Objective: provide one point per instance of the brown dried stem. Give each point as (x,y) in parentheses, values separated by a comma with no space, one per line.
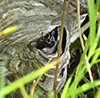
(60,42)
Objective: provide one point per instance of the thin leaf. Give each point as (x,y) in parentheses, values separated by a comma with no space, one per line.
(85,87)
(97,5)
(8,30)
(65,90)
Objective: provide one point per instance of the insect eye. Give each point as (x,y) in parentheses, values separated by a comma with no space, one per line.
(47,36)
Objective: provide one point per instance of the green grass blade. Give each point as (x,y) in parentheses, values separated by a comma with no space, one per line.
(65,90)
(9,30)
(65,93)
(98,94)
(2,78)
(97,6)
(95,43)
(92,21)
(85,87)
